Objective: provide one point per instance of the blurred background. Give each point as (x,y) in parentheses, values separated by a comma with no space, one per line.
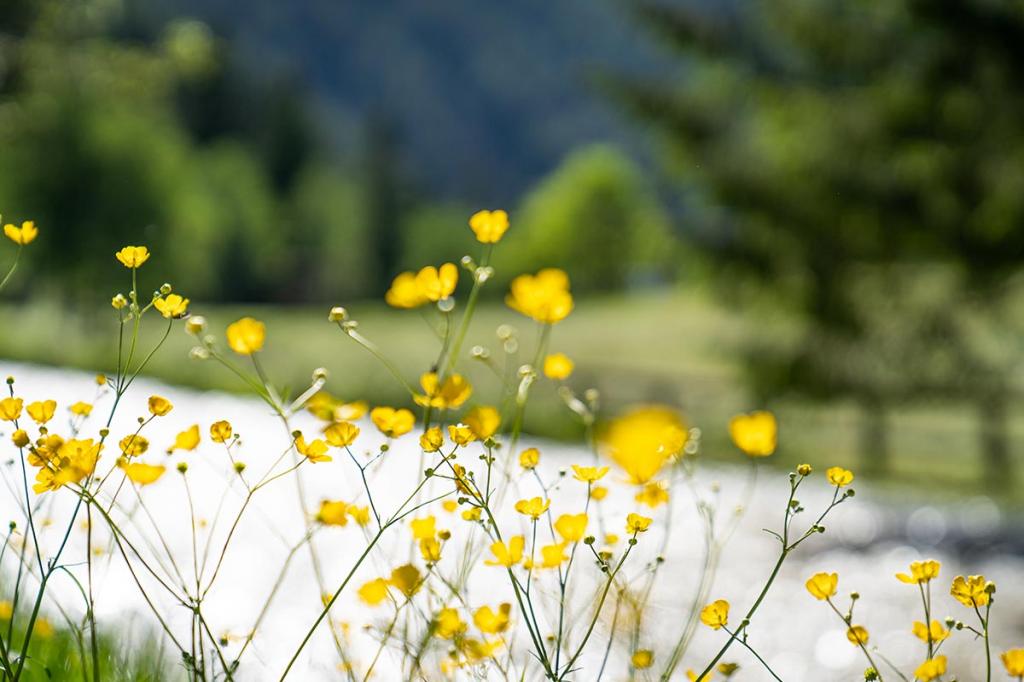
(813,207)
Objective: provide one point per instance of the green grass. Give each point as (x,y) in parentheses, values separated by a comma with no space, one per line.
(665,346)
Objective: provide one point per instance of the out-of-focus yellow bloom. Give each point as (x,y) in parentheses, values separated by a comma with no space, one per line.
(118,302)
(716,614)
(491,622)
(171,306)
(391,422)
(472,514)
(755,433)
(588,474)
(553,556)
(333,513)
(507,555)
(10,408)
(692,677)
(430,549)
(572,527)
(476,651)
(643,440)
(823,585)
(637,524)
(41,411)
(143,474)
(642,659)
(930,633)
(921,572)
(43,628)
(437,283)
(529,458)
(133,445)
(406,578)
(24,235)
(544,297)
(450,506)
(443,395)
(80,409)
(6,610)
(857,634)
(341,434)
(361,515)
(839,477)
(598,493)
(423,528)
(373,592)
(558,366)
(20,438)
(533,507)
(1013,660)
(448,624)
(728,669)
(970,591)
(461,434)
(404,292)
(483,421)
(315,451)
(654,494)
(611,539)
(221,432)
(931,669)
(246,336)
(186,440)
(159,406)
(432,439)
(77,460)
(133,256)
(489,226)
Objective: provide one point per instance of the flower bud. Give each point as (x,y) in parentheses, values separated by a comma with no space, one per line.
(119,302)
(804,469)
(195,325)
(320,374)
(182,467)
(337,314)
(239,467)
(165,288)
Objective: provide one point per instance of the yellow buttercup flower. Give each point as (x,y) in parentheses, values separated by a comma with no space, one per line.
(81,409)
(373,592)
(159,406)
(430,550)
(643,440)
(857,634)
(507,555)
(443,395)
(76,459)
(6,610)
(728,669)
(544,297)
(221,432)
(971,591)
(41,411)
(598,493)
(755,433)
(391,422)
(20,438)
(423,528)
(489,226)
(529,458)
(315,451)
(133,256)
(143,474)
(491,622)
(637,524)
(133,445)
(461,434)
(448,624)
(572,527)
(553,556)
(932,669)
(533,507)
(432,439)
(653,494)
(171,306)
(361,515)
(716,614)
(341,434)
(920,572)
(929,633)
(437,283)
(404,292)
(642,659)
(333,513)
(558,366)
(588,474)
(692,677)
(10,408)
(186,440)
(1013,660)
(823,585)
(246,336)
(839,476)
(406,578)
(24,235)
(483,421)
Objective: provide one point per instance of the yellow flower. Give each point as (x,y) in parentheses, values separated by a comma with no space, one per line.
(461,434)
(333,513)
(158,406)
(450,506)
(533,507)
(476,650)
(857,634)
(404,292)
(133,256)
(754,433)
(81,409)
(437,283)
(472,514)
(24,235)
(20,438)
(450,394)
(406,578)
(507,555)
(361,515)
(341,434)
(839,476)
(489,226)
(373,592)
(643,440)
(483,421)
(728,669)
(920,572)
(491,622)
(1012,659)
(971,591)
(118,302)
(246,336)
(642,658)
(933,633)
(186,440)
(823,585)
(598,493)
(529,458)
(221,432)
(43,628)
(133,445)
(6,610)
(588,474)
(931,669)
(572,527)
(692,676)
(553,556)
(10,408)
(171,306)
(432,439)
(143,474)
(637,524)
(423,528)
(558,366)
(611,539)
(315,451)
(391,422)
(41,411)
(544,297)
(654,494)
(448,624)
(716,614)
(77,460)
(430,549)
